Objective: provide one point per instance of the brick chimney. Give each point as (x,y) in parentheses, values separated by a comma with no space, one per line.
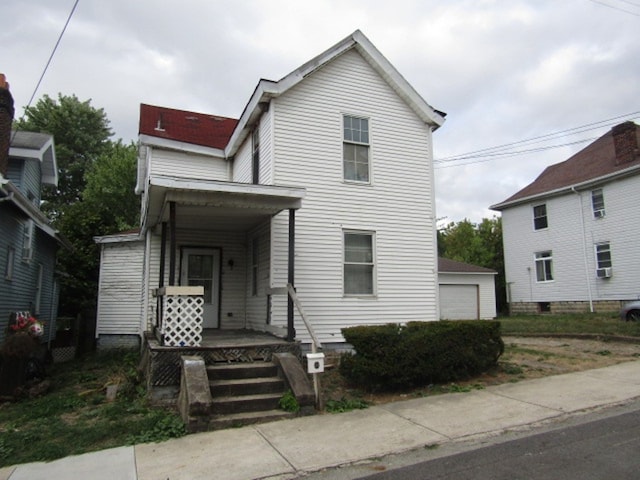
(625,141)
(6,118)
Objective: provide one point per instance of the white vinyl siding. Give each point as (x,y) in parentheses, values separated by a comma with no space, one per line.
(571,239)
(119,288)
(308,148)
(243,159)
(188,165)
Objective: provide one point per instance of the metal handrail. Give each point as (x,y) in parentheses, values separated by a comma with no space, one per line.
(315,344)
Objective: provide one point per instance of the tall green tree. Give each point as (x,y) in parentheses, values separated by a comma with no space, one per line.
(108,204)
(478,244)
(81,133)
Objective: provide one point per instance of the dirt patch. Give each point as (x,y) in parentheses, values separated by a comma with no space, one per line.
(524,358)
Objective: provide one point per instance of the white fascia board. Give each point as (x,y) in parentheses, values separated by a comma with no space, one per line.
(180,146)
(568,189)
(47,157)
(401,86)
(227,187)
(466,273)
(267,89)
(118,238)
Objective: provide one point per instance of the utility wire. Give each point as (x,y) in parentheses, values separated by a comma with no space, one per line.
(46,67)
(617,8)
(507,149)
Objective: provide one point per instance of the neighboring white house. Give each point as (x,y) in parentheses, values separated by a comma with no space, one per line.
(325,182)
(467,292)
(571,236)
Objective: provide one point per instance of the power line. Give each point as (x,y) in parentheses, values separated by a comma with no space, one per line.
(618,8)
(46,67)
(506,150)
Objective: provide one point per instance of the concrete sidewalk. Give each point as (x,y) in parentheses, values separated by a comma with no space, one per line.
(289,448)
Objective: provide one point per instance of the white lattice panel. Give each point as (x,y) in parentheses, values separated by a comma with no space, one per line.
(182,320)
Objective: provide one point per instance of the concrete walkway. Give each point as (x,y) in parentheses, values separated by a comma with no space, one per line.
(290,448)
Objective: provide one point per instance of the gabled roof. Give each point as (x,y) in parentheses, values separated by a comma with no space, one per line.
(451,266)
(188,127)
(594,164)
(39,146)
(228,134)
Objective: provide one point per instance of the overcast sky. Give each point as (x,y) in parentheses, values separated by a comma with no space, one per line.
(504,71)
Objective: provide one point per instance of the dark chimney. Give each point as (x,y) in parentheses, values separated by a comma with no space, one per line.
(6,118)
(625,142)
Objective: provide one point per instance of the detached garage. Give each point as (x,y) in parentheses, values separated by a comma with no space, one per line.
(467,292)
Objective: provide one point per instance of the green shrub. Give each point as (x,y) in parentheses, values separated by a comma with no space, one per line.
(393,356)
(289,402)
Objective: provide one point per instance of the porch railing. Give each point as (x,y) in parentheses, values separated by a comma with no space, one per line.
(179,316)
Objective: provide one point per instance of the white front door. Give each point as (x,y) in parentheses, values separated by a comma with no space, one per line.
(201,267)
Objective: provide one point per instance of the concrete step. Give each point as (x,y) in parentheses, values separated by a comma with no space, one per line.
(218,422)
(227,371)
(245,403)
(246,386)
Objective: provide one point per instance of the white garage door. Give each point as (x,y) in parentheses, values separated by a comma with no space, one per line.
(459,302)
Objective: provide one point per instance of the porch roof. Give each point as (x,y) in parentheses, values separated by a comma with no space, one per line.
(217,205)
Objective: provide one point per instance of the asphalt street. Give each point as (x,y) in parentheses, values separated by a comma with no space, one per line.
(602,449)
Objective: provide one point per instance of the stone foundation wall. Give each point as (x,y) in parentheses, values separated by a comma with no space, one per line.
(534,308)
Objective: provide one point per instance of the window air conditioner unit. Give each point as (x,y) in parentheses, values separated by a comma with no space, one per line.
(598,213)
(603,272)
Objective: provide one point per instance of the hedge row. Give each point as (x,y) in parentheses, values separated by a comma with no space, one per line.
(393,356)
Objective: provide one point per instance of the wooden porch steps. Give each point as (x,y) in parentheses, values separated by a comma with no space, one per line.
(245,393)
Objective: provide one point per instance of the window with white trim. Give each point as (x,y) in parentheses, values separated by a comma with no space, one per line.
(544,266)
(27,244)
(540,217)
(359,263)
(597,203)
(8,269)
(355,149)
(603,255)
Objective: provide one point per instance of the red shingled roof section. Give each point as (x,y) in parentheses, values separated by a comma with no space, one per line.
(594,161)
(184,126)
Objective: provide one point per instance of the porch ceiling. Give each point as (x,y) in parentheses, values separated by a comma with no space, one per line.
(213,205)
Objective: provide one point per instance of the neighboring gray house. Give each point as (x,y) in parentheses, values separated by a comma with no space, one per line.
(328,172)
(467,292)
(571,237)
(28,244)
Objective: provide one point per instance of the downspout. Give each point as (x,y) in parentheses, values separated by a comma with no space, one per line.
(584,250)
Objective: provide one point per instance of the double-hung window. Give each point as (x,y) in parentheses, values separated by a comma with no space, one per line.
(355,149)
(540,217)
(603,254)
(544,266)
(27,244)
(359,263)
(597,202)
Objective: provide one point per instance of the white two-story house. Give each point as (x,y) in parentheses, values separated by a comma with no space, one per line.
(570,237)
(324,183)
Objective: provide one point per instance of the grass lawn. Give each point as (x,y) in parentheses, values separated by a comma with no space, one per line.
(586,323)
(75,417)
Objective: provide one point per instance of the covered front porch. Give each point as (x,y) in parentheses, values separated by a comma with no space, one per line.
(210,255)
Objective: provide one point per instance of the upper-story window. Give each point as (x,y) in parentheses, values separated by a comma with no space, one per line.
(544,266)
(355,151)
(540,217)
(27,243)
(597,202)
(255,154)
